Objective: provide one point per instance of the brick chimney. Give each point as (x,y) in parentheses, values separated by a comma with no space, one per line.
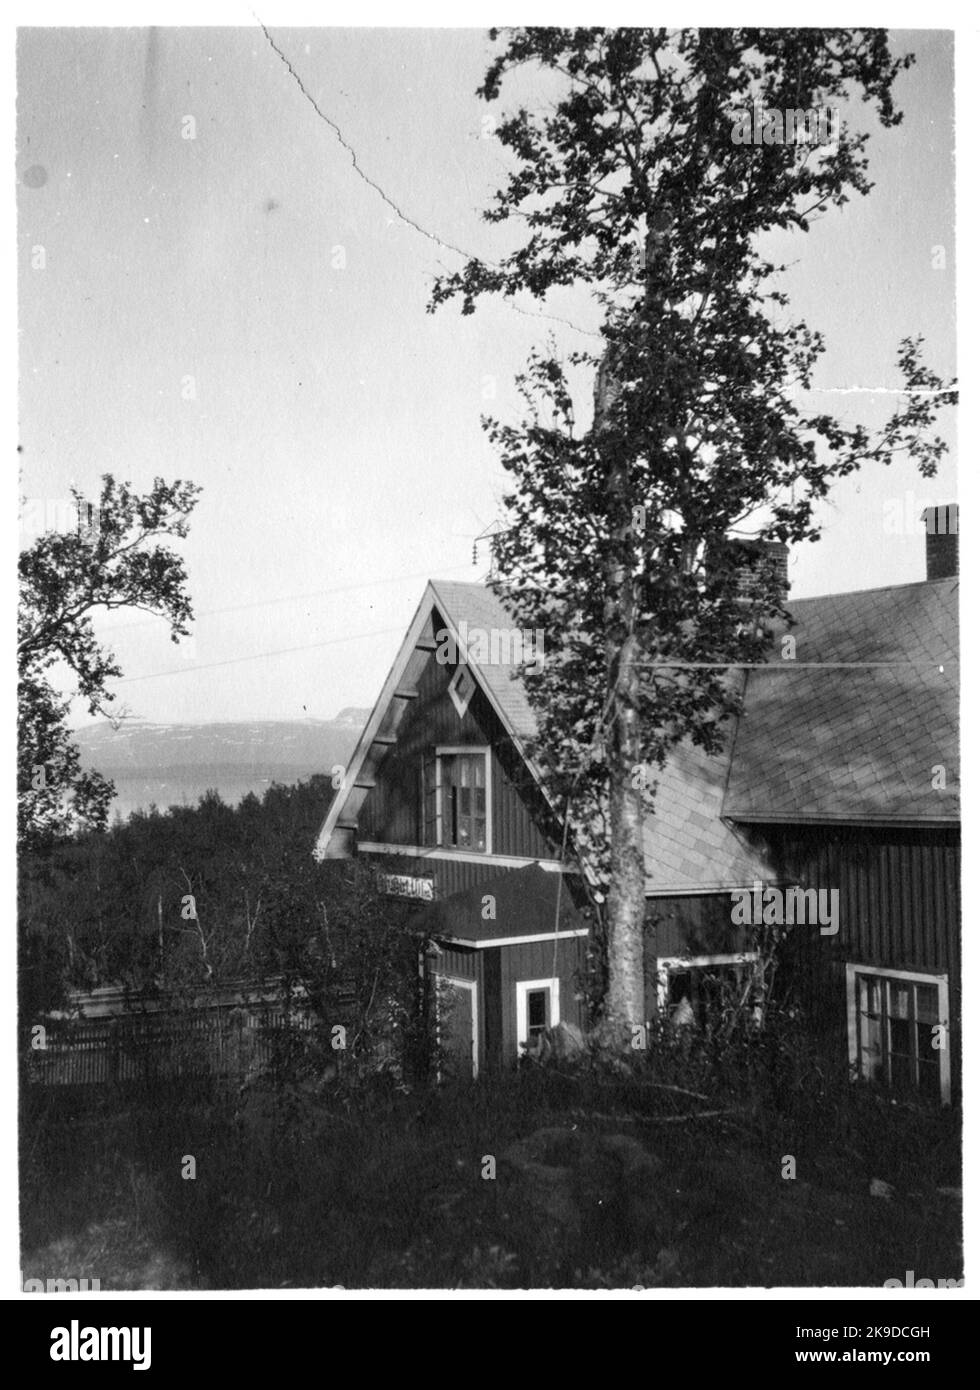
(750,557)
(942,540)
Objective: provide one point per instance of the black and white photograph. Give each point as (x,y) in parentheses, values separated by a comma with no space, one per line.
(488,685)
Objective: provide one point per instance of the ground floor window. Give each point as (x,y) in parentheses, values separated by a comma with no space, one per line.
(537,1009)
(898,1029)
(701,990)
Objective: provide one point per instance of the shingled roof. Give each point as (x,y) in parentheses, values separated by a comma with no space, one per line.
(540,901)
(843,739)
(479,607)
(849,732)
(688,846)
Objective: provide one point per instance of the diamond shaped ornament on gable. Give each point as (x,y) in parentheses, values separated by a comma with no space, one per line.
(461,689)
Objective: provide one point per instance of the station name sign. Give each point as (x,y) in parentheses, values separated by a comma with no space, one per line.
(405,886)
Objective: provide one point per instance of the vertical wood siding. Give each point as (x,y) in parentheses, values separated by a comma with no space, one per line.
(497,971)
(688,926)
(493,1004)
(464,964)
(392,810)
(899,892)
(540,960)
(899,908)
(448,875)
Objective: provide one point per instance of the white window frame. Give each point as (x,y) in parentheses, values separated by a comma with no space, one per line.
(452,751)
(458,982)
(667,963)
(917,977)
(522,989)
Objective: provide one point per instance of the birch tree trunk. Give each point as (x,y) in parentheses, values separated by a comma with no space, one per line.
(626,905)
(624,1008)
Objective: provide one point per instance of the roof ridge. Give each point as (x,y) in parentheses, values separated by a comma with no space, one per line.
(878,589)
(953,579)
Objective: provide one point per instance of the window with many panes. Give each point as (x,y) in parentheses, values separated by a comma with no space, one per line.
(463,783)
(706,990)
(454,803)
(899,1026)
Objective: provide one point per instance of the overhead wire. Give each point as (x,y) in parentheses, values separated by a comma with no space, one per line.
(390,202)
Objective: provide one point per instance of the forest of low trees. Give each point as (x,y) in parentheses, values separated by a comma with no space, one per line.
(186,900)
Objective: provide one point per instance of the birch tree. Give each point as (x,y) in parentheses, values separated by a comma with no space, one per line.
(638,182)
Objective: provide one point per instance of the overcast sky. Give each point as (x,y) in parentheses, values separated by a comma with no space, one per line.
(242,309)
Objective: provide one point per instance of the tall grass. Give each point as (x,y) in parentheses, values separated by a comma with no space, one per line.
(375,1184)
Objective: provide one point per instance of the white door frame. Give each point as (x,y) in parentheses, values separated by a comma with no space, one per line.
(460,983)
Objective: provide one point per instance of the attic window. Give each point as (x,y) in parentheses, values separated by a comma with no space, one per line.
(462,796)
(461,689)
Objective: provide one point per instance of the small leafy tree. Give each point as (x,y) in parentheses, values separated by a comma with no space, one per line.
(349,948)
(113,559)
(633,184)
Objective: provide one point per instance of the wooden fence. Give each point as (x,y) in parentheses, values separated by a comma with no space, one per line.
(218,1042)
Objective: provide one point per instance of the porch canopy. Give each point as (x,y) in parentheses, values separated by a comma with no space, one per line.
(517,903)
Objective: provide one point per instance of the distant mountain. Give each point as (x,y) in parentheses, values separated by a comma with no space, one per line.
(175,764)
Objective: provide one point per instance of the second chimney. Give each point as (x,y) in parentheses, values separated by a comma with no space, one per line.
(751,559)
(942,540)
